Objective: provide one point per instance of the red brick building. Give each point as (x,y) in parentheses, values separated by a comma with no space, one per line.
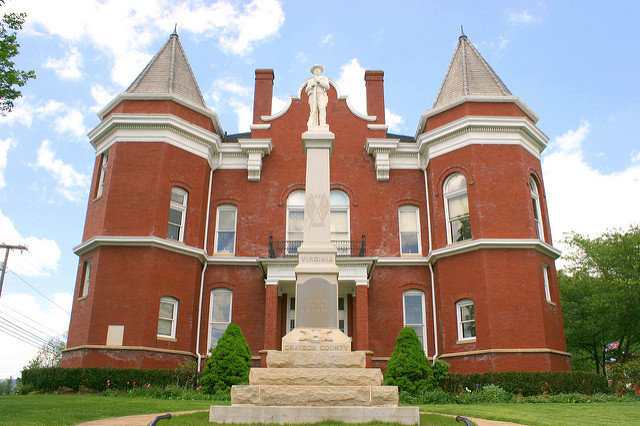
(189,228)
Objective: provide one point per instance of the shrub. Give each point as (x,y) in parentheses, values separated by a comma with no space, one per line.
(625,378)
(525,383)
(440,371)
(229,363)
(408,367)
(493,393)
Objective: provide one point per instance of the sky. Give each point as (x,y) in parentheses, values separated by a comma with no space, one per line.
(573,62)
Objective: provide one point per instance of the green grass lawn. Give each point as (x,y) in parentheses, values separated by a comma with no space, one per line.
(607,413)
(74,409)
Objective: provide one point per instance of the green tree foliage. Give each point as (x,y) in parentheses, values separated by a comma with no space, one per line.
(10,78)
(49,354)
(601,294)
(229,363)
(6,386)
(408,367)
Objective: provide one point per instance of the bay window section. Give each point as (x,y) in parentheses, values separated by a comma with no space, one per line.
(456,208)
(295,221)
(466,320)
(101,174)
(167,318)
(177,214)
(537,214)
(220,314)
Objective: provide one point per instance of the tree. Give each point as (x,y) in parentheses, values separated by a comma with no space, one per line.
(601,294)
(408,367)
(10,78)
(229,363)
(49,354)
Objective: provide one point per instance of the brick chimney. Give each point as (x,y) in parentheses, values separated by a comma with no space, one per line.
(263,94)
(374,82)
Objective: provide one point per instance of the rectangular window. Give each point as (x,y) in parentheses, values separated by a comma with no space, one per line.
(545,278)
(86,278)
(291,314)
(177,214)
(409,218)
(167,318)
(101,174)
(226,229)
(220,315)
(413,312)
(466,320)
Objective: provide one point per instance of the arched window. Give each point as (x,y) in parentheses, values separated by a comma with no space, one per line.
(466,320)
(177,214)
(167,318)
(537,214)
(413,313)
(340,232)
(339,220)
(226,229)
(295,220)
(409,222)
(220,314)
(456,208)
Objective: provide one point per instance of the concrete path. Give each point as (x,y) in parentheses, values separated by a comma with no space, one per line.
(145,419)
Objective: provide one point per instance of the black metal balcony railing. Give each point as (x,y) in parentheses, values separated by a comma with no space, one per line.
(350,248)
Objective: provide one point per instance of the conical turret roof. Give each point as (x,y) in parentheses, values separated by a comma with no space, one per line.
(468,74)
(169,73)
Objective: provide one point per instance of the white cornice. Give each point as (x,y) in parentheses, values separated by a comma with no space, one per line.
(139,241)
(378,127)
(506,351)
(260,126)
(165,128)
(403,261)
(163,97)
(493,243)
(476,98)
(474,130)
(255,149)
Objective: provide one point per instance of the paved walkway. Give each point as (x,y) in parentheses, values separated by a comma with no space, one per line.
(145,419)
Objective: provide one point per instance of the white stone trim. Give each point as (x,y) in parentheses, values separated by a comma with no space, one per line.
(163,97)
(476,98)
(505,351)
(166,128)
(381,149)
(260,126)
(482,131)
(378,126)
(136,241)
(493,243)
(129,348)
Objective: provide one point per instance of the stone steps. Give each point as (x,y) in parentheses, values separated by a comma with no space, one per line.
(327,396)
(316,376)
(316,359)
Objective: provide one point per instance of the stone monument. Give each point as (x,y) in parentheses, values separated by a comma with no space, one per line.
(316,376)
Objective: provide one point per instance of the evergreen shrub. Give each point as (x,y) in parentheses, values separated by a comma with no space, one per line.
(408,368)
(229,363)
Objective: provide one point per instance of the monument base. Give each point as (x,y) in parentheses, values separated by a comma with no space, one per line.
(307,414)
(316,340)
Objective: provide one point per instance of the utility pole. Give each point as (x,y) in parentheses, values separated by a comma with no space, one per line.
(8,247)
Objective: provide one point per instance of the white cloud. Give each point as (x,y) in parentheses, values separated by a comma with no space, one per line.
(232,86)
(278,105)
(101,96)
(40,260)
(72,122)
(328,39)
(24,112)
(635,156)
(71,184)
(581,198)
(234,27)
(245,116)
(68,67)
(23,310)
(351,83)
(393,120)
(4,149)
(228,94)
(523,17)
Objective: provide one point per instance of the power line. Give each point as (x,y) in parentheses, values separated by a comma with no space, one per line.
(24,324)
(25,333)
(30,319)
(14,335)
(41,294)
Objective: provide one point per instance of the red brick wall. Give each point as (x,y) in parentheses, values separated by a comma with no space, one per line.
(163,107)
(481,109)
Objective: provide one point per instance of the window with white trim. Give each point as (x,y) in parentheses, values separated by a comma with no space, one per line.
(409,222)
(226,219)
(537,213)
(86,278)
(220,314)
(101,174)
(466,320)
(295,220)
(167,317)
(545,282)
(177,214)
(414,315)
(456,208)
